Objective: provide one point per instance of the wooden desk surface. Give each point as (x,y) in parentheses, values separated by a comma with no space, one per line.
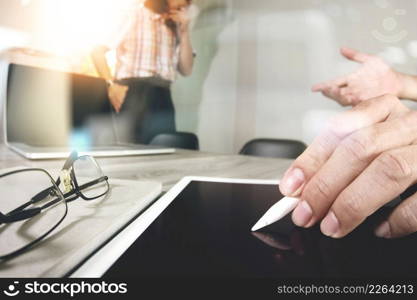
(168,168)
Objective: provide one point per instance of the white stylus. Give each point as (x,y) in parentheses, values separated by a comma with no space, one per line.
(276,212)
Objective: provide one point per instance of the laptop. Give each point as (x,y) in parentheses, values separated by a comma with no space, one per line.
(49,113)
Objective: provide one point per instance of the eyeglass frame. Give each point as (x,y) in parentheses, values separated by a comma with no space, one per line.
(67,172)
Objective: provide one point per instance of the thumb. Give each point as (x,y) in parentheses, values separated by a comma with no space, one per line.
(354,55)
(401,222)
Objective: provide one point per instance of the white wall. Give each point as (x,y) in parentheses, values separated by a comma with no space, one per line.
(268,55)
(205,102)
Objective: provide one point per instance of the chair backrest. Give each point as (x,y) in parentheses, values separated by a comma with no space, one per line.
(183,140)
(278,148)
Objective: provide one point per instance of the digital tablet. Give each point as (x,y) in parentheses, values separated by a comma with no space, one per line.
(202,228)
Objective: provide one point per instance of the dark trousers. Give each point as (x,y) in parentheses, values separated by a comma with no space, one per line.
(148,108)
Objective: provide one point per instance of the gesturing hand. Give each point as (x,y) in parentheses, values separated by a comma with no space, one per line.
(117,95)
(374,78)
(365,158)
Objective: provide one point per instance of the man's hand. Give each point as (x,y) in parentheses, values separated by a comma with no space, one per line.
(374,78)
(366,158)
(117,94)
(181,18)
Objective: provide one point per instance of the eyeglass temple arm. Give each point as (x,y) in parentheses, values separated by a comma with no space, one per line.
(20,213)
(66,195)
(38,197)
(86,185)
(43,194)
(91,183)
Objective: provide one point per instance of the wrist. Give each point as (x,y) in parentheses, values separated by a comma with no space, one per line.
(407,86)
(184,30)
(109,83)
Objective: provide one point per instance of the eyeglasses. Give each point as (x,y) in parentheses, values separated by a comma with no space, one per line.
(33,204)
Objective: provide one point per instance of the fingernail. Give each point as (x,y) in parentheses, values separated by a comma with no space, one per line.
(383,230)
(292,182)
(302,214)
(330,225)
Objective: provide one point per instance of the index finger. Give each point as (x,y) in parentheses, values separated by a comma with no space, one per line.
(355,55)
(307,164)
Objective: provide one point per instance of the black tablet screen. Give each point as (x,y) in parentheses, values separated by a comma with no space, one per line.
(205,231)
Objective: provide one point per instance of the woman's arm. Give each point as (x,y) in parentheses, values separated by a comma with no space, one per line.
(100,62)
(116,92)
(186,59)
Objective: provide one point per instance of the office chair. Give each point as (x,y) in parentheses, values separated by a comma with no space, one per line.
(278,148)
(184,140)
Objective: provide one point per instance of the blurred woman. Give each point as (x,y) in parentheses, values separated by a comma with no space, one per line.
(152,47)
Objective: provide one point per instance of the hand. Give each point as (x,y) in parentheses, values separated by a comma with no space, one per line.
(117,95)
(374,78)
(366,158)
(181,18)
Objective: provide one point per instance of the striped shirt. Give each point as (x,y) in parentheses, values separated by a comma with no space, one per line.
(146,47)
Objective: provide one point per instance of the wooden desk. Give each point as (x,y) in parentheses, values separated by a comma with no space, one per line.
(169,168)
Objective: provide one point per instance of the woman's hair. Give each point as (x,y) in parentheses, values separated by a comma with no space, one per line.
(159,6)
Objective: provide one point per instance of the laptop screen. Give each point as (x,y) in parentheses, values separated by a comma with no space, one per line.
(48,108)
